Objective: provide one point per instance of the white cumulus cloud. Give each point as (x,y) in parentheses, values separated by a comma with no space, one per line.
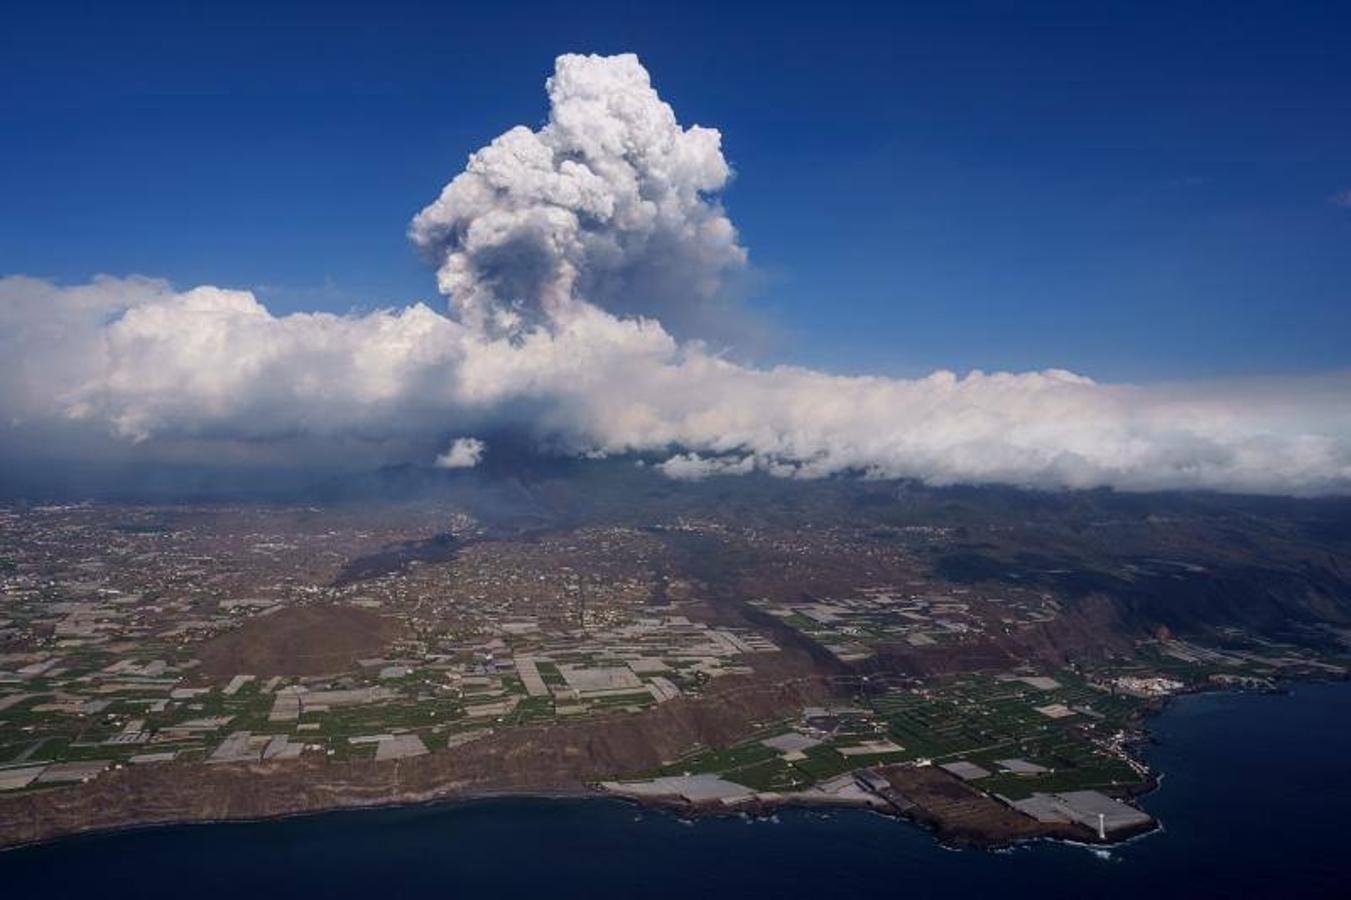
(693,467)
(463,453)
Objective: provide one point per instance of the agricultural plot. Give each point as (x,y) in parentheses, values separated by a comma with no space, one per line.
(853,627)
(991,727)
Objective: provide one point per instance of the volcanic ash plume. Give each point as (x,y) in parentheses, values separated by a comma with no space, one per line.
(611,201)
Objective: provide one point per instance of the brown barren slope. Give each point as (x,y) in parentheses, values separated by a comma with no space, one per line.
(965,816)
(536,759)
(303,640)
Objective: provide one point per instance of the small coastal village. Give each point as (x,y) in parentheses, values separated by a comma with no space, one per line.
(261,639)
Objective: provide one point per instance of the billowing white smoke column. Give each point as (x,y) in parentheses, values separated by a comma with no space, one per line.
(608,201)
(547,244)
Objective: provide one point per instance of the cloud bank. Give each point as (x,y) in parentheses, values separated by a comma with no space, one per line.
(564,252)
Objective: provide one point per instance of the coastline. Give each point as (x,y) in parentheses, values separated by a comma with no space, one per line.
(758,806)
(615,849)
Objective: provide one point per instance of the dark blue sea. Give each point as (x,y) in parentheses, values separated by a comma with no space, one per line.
(1256,802)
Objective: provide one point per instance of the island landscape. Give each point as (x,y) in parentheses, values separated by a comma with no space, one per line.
(983,663)
(718,450)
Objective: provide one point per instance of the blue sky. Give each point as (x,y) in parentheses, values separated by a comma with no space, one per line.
(1129,192)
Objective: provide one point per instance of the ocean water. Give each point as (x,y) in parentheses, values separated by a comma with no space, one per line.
(1255,801)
